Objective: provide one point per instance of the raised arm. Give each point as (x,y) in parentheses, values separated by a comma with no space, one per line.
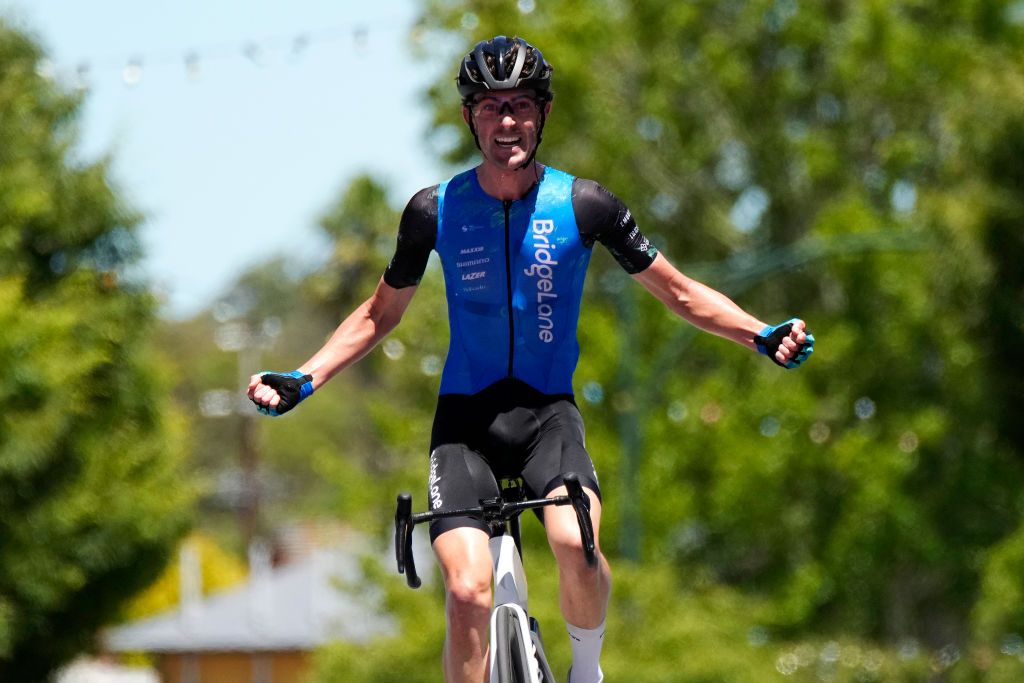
(363,329)
(714,312)
(698,304)
(602,217)
(275,393)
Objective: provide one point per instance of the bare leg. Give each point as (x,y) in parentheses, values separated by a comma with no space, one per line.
(466,566)
(582,590)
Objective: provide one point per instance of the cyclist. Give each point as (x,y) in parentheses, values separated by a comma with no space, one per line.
(514,238)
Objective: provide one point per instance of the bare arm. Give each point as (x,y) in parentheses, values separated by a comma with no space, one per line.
(709,309)
(363,329)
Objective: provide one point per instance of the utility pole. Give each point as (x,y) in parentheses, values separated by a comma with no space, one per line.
(248,452)
(247,341)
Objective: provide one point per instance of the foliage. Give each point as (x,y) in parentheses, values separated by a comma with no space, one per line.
(702,634)
(91,494)
(857,163)
(826,159)
(419,640)
(348,451)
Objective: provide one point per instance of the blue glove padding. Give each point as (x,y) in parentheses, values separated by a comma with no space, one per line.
(770,339)
(293,387)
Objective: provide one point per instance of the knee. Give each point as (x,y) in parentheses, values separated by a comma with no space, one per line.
(468,596)
(568,550)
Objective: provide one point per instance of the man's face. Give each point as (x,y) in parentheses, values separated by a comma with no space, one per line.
(506,124)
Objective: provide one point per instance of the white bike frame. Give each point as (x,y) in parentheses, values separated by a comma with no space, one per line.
(510,592)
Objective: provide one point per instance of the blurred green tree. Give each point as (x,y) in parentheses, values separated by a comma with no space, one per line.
(857,163)
(365,436)
(92,493)
(852,162)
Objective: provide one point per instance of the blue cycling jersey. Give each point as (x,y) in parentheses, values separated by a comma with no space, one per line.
(514,274)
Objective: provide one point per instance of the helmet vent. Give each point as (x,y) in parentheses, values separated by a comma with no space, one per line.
(504,63)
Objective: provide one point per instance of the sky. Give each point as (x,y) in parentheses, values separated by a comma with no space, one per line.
(233,125)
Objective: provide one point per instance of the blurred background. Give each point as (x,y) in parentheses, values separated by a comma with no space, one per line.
(189,195)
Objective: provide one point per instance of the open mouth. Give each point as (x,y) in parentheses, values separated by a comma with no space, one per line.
(508,141)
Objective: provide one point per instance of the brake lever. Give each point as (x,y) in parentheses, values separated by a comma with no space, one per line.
(403,540)
(581,504)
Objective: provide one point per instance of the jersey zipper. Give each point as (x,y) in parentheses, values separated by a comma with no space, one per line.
(508,280)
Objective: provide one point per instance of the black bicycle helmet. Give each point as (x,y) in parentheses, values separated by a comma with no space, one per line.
(504,63)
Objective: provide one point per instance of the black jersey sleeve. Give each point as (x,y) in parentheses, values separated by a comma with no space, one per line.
(602,217)
(417,233)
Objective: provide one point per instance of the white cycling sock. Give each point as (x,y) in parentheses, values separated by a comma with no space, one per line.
(586,654)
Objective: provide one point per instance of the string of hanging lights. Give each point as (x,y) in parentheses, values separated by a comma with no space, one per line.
(265,51)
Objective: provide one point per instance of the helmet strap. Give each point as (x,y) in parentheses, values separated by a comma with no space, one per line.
(476,138)
(472,127)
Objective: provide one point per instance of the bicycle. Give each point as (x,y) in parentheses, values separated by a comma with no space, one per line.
(517,651)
